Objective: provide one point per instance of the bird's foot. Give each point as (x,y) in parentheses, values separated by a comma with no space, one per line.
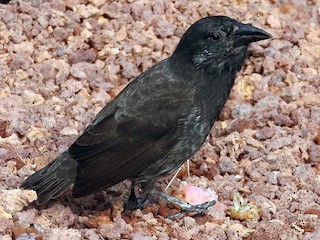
(138,197)
(147,193)
(137,203)
(185,207)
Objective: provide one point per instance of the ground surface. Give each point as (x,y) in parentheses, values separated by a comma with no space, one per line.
(62,61)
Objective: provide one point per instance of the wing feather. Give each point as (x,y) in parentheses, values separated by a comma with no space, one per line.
(130,133)
(124,158)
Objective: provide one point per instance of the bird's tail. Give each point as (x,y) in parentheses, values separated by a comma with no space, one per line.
(52,180)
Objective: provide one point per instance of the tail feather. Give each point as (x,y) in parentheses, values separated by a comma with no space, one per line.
(51,181)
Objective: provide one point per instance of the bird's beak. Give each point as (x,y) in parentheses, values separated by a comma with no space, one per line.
(246,33)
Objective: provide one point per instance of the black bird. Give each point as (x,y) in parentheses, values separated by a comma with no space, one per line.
(159,120)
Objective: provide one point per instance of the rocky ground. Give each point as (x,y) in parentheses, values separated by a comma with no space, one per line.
(62,61)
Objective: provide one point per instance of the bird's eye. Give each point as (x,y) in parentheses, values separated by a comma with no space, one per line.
(214,36)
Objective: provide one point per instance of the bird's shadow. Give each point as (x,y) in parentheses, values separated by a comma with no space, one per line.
(95,204)
(82,207)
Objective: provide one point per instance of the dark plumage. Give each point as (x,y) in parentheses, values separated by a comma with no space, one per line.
(159,120)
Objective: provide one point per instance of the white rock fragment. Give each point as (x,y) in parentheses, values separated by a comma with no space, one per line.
(68,131)
(49,122)
(4,214)
(25,47)
(36,133)
(70,234)
(13,139)
(101,96)
(85,11)
(6,237)
(21,74)
(77,71)
(15,200)
(44,55)
(33,98)
(274,22)
(97,3)
(273,177)
(311,99)
(42,20)
(121,34)
(86,34)
(108,50)
(189,222)
(241,230)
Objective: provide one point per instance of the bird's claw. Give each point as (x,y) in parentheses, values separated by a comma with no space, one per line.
(198,209)
(138,198)
(185,207)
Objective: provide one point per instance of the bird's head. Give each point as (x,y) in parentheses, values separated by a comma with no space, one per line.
(218,42)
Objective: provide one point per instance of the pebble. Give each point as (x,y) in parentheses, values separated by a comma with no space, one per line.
(227,165)
(68,131)
(97,3)
(272,177)
(274,22)
(86,11)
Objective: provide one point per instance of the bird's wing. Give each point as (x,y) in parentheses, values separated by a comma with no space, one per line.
(139,127)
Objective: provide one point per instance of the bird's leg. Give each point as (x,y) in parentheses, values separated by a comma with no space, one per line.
(133,202)
(139,195)
(185,207)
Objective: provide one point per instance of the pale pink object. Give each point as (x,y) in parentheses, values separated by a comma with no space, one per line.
(196,195)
